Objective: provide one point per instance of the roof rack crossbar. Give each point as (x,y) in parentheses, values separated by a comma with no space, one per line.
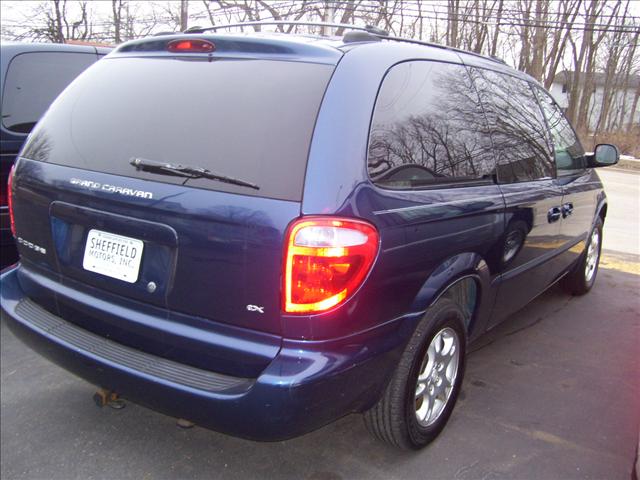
(367,28)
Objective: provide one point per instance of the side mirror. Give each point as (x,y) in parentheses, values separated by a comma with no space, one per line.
(603,156)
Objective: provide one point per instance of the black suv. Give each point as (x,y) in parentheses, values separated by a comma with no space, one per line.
(32,75)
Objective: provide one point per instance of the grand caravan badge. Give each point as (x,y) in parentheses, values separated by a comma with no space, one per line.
(105,187)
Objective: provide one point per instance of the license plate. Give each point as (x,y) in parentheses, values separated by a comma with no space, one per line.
(113,255)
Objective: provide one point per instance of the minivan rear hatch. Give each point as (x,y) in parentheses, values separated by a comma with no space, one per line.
(127,206)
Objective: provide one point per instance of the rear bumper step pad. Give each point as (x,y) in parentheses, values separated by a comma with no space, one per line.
(159,367)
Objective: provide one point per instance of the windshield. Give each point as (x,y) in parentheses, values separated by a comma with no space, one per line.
(247,119)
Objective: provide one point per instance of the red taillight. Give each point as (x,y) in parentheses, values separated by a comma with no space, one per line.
(10,200)
(326,261)
(187,46)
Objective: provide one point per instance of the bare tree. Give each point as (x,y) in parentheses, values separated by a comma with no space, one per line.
(565,15)
(585,37)
(184,15)
(59,25)
(116,7)
(453,12)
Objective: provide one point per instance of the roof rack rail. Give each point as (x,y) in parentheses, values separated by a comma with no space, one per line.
(445,47)
(495,58)
(367,28)
(370,29)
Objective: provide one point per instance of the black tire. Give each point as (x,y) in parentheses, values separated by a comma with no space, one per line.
(393,418)
(577,282)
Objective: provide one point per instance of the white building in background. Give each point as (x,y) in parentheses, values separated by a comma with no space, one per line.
(623,98)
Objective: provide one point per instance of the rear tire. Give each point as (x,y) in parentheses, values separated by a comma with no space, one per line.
(420,397)
(581,279)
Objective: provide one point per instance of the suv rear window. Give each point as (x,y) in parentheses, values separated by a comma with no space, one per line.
(248,119)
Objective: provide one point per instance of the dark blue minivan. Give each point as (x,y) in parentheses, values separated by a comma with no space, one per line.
(263,233)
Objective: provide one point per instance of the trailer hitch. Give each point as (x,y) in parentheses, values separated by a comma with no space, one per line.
(108,397)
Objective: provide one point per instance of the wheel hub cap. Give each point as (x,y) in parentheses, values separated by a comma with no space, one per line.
(437,376)
(593,252)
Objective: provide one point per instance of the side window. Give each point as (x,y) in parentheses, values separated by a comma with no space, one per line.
(428,128)
(519,132)
(568,152)
(33,82)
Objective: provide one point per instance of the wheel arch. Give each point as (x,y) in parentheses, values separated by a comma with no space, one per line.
(453,279)
(602,206)
(602,212)
(463,278)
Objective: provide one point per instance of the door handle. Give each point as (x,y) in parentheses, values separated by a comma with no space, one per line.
(554,214)
(567,209)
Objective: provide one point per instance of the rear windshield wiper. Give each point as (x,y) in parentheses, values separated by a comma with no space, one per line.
(186,172)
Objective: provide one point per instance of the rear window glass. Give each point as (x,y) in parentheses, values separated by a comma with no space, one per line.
(248,119)
(33,81)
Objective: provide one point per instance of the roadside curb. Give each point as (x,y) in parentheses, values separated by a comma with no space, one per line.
(622,262)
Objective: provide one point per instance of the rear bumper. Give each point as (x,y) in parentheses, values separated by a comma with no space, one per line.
(306,386)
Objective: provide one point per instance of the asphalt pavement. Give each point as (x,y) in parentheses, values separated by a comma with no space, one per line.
(622,232)
(553,393)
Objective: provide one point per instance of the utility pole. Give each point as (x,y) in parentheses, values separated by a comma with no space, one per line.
(328,17)
(184,15)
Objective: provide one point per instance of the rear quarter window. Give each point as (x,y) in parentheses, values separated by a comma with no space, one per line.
(428,128)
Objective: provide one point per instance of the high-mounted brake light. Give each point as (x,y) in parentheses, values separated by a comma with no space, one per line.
(10,200)
(190,46)
(326,261)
